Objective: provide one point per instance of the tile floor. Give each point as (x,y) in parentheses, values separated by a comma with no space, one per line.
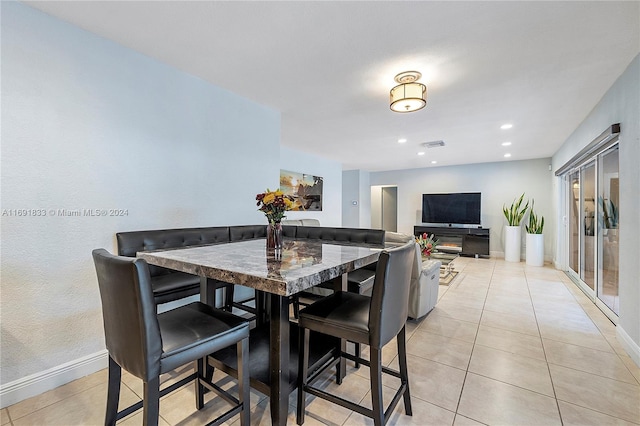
(507,344)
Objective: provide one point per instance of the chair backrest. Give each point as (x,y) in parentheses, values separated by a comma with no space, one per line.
(131,328)
(390,297)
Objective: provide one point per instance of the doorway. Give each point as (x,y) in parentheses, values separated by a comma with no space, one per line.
(384,208)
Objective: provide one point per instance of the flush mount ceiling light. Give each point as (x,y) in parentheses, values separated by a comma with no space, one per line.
(408,95)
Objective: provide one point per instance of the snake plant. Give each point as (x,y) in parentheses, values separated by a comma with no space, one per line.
(515,212)
(535,224)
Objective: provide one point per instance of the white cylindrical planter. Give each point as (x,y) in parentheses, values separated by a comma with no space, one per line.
(512,242)
(535,249)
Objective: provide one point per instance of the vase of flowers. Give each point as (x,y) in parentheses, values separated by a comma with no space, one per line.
(427,243)
(274,204)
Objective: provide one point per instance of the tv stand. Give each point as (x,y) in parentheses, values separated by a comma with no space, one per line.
(453,239)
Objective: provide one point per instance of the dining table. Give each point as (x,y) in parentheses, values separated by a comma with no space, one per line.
(277,275)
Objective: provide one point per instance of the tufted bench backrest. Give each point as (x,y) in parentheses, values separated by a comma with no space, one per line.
(247,232)
(129,243)
(348,235)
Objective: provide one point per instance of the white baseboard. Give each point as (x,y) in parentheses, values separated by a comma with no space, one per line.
(628,344)
(35,384)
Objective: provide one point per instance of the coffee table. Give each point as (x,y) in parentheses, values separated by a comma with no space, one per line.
(447,270)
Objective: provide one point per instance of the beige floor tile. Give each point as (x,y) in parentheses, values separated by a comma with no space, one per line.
(450,327)
(445,350)
(510,341)
(473,301)
(462,313)
(4,417)
(513,301)
(523,322)
(431,381)
(605,364)
(179,408)
(137,419)
(326,412)
(615,344)
(492,402)
(509,287)
(83,409)
(631,366)
(467,280)
(60,393)
(389,352)
(261,416)
(612,397)
(136,384)
(572,313)
(353,388)
(465,421)
(508,308)
(539,286)
(424,413)
(527,373)
(588,339)
(573,415)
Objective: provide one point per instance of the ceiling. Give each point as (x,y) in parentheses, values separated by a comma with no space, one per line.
(328,68)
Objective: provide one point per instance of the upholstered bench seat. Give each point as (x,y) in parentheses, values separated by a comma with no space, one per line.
(361,281)
(174,286)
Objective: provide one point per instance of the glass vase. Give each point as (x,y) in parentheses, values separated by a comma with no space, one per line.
(274,236)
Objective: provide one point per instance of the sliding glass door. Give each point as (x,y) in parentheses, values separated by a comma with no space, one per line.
(588,229)
(608,196)
(593,226)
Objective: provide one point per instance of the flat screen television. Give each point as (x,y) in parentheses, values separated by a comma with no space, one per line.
(461,208)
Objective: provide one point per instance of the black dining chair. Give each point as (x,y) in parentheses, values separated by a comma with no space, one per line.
(373,321)
(147,344)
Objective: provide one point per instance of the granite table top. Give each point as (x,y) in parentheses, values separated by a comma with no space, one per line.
(300,265)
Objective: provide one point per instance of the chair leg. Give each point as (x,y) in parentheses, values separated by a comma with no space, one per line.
(295,302)
(375,371)
(228,297)
(201,371)
(404,374)
(242,348)
(151,402)
(113,393)
(358,353)
(303,367)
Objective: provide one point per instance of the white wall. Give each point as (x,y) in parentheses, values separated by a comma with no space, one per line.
(499,184)
(621,104)
(330,171)
(88,124)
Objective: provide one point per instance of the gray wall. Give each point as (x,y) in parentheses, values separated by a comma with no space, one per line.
(621,104)
(350,194)
(356,188)
(499,184)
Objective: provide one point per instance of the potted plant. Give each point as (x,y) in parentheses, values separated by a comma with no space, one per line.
(427,243)
(513,232)
(535,239)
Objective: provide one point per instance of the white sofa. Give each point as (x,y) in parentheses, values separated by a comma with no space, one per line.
(425,279)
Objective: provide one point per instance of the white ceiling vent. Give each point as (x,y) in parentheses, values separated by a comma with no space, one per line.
(433,144)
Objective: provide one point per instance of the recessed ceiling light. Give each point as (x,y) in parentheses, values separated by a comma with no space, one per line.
(434,162)
(506,126)
(507,155)
(506,143)
(421,153)
(402,140)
